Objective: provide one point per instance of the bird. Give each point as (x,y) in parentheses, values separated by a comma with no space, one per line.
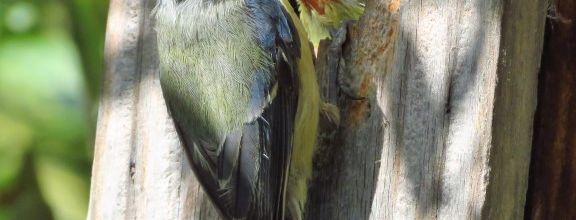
(239,83)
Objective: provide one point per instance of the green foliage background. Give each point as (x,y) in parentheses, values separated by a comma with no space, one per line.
(50,71)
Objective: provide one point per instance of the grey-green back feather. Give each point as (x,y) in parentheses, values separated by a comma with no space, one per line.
(209,39)
(220,61)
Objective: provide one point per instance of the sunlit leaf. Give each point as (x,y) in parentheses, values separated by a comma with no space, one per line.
(15,139)
(41,83)
(41,87)
(4,213)
(65,191)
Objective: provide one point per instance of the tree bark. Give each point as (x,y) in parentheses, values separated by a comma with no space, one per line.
(427,130)
(552,194)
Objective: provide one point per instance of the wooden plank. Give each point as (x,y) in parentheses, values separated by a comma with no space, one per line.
(417,146)
(139,170)
(522,40)
(552,194)
(429,70)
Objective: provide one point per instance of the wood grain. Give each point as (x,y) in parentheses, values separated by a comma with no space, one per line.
(139,170)
(444,131)
(514,108)
(436,101)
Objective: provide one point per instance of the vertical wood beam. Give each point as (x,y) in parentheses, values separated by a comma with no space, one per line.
(140,170)
(552,192)
(431,139)
(514,108)
(450,96)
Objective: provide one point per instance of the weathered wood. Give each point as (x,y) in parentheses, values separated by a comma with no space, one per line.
(552,191)
(139,168)
(427,130)
(429,70)
(516,92)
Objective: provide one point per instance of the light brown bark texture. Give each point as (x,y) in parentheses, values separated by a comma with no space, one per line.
(436,100)
(552,188)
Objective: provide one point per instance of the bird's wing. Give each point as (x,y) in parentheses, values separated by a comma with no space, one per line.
(280,114)
(245,174)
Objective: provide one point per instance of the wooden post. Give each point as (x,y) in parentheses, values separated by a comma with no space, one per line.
(139,170)
(552,191)
(443,130)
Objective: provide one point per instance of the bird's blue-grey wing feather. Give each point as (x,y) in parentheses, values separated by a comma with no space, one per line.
(271,17)
(246,176)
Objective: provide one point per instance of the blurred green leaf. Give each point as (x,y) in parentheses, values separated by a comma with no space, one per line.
(14,141)
(89,26)
(41,83)
(28,205)
(65,191)
(21,17)
(42,92)
(50,69)
(4,213)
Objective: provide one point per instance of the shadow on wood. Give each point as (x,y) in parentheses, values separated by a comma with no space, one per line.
(552,192)
(426,130)
(139,170)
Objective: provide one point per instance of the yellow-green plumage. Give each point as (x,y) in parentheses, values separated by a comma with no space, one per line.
(306,127)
